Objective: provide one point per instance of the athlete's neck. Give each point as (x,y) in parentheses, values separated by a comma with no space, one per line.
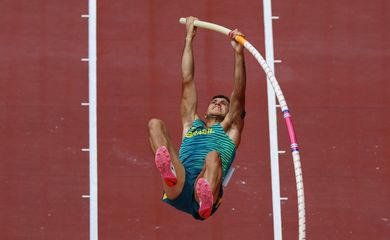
(213,119)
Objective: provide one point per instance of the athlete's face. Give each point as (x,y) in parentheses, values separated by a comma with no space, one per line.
(218,107)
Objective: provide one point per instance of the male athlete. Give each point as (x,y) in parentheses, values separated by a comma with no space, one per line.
(192,178)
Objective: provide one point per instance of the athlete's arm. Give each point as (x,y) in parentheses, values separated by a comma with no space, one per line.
(189,98)
(234,120)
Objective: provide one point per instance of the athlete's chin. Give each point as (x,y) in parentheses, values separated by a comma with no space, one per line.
(216,116)
(217,113)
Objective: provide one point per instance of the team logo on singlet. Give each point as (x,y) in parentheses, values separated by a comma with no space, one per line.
(192,132)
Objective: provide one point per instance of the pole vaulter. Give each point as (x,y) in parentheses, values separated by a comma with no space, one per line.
(285,111)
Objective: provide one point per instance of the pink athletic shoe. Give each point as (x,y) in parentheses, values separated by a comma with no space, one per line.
(205,195)
(165,166)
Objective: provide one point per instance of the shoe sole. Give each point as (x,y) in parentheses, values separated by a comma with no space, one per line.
(165,166)
(206,199)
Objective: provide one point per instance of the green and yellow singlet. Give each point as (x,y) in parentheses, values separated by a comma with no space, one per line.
(199,141)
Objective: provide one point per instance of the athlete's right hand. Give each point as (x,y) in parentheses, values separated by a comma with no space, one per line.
(191,29)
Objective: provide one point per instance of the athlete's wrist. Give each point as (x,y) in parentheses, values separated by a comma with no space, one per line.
(239,53)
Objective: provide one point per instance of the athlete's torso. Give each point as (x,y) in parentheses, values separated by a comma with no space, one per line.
(199,141)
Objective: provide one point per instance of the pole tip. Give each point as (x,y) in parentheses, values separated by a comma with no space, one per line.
(182,20)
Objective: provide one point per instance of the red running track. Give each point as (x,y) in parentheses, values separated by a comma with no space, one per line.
(333,76)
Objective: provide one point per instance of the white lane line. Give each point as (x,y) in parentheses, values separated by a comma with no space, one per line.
(272,121)
(93,168)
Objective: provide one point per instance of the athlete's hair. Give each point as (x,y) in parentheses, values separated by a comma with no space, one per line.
(220,96)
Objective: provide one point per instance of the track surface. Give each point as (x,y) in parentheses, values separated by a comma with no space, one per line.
(334,76)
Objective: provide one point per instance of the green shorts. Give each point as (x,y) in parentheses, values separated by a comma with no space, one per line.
(186,200)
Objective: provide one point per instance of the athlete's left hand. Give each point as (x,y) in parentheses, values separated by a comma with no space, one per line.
(236,46)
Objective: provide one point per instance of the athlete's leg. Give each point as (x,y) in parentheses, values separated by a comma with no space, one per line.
(208,184)
(158,137)
(212,172)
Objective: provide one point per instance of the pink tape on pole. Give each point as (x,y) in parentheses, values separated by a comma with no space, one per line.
(291,133)
(290,128)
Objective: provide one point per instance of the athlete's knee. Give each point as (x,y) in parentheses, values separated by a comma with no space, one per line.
(213,159)
(155,124)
